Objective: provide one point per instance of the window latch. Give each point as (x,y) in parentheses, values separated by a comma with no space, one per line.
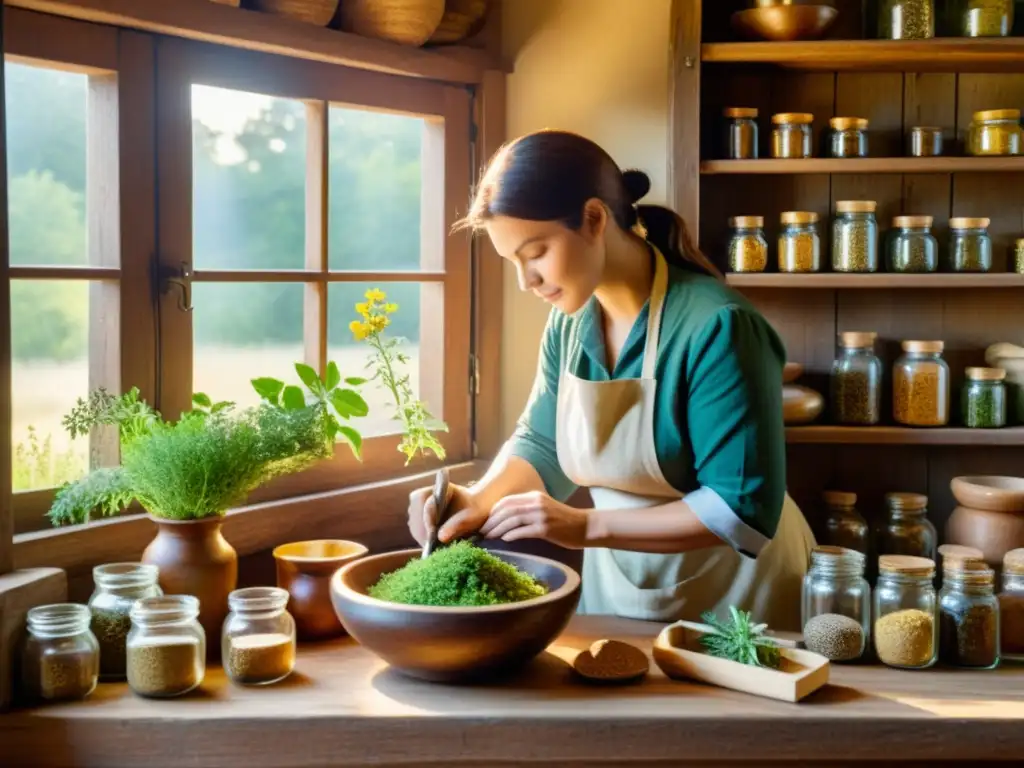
(180,278)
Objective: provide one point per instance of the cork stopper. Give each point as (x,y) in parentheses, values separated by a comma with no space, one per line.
(798,217)
(857,339)
(985,374)
(856,206)
(906,565)
(997,114)
(958,564)
(1013,562)
(740,112)
(792,118)
(912,222)
(958,551)
(848,123)
(929,347)
(968,222)
(908,502)
(746,222)
(839,498)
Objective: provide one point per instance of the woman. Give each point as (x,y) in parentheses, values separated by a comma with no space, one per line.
(658,388)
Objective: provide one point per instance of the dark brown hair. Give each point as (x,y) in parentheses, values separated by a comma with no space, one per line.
(550,175)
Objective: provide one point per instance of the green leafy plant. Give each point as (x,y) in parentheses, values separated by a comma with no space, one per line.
(740,640)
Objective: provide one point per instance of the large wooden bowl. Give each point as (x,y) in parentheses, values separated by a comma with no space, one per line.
(994,533)
(454,644)
(993,493)
(785,22)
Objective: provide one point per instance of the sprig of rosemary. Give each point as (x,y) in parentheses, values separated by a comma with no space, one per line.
(740,640)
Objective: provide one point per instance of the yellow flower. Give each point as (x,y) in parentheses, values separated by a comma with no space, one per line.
(363,309)
(390,308)
(379,323)
(376,295)
(359,330)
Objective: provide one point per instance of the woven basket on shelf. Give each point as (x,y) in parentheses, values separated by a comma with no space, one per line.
(460,16)
(318,12)
(409,22)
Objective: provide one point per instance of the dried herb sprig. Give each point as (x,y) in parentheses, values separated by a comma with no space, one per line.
(740,640)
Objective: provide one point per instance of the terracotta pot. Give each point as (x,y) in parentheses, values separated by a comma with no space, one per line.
(304,570)
(994,533)
(195,559)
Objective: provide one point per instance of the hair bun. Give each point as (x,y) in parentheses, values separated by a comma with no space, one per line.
(638,184)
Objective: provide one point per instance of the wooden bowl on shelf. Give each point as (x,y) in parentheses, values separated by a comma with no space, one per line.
(994,533)
(316,12)
(992,493)
(791,372)
(785,22)
(406,22)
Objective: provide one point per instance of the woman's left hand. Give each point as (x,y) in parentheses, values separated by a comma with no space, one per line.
(537,516)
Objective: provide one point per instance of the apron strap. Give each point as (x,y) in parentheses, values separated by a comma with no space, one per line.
(657,303)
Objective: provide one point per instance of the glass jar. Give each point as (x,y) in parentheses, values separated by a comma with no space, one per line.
(117,587)
(748,248)
(842,525)
(836,604)
(799,243)
(906,19)
(855,383)
(166,647)
(1018,256)
(970,247)
(855,237)
(849,137)
(741,133)
(995,132)
(1011,606)
(912,247)
(986,18)
(924,141)
(921,385)
(906,632)
(968,615)
(258,638)
(60,659)
(791,135)
(907,529)
(983,399)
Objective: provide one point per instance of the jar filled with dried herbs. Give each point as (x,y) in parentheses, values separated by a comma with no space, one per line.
(907,529)
(970,246)
(799,243)
(985,18)
(921,385)
(1011,606)
(836,604)
(855,237)
(1018,256)
(258,638)
(855,383)
(995,132)
(983,399)
(906,19)
(166,647)
(924,141)
(61,657)
(748,248)
(792,135)
(841,524)
(968,615)
(848,137)
(741,133)
(117,587)
(905,629)
(912,247)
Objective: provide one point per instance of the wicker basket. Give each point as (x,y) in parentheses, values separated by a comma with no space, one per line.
(409,22)
(318,12)
(460,17)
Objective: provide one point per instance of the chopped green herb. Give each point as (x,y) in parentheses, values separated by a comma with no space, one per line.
(740,640)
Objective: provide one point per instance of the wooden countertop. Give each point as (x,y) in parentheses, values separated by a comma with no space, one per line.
(344,707)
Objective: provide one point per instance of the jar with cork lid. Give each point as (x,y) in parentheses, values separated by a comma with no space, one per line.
(741,134)
(1011,606)
(968,614)
(848,137)
(799,243)
(60,658)
(912,247)
(855,383)
(924,141)
(921,385)
(983,399)
(995,133)
(842,525)
(907,529)
(905,630)
(836,604)
(117,587)
(970,245)
(258,638)
(748,248)
(166,647)
(792,135)
(855,236)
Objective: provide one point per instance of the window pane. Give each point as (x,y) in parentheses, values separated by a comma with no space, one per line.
(352,356)
(249,180)
(374,190)
(243,331)
(50,370)
(46,119)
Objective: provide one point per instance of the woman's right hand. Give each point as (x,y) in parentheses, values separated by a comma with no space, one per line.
(465,517)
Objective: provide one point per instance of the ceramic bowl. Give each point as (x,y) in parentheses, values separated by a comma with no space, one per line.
(994,493)
(451,645)
(304,569)
(994,533)
(785,22)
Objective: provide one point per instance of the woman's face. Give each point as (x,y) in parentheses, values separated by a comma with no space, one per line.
(560,265)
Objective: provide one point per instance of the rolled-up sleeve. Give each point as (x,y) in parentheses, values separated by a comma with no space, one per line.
(534,438)
(734,412)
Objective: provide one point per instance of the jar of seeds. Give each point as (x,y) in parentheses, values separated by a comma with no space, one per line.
(1018,256)
(258,638)
(836,605)
(905,629)
(61,657)
(842,525)
(748,248)
(924,141)
(970,246)
(855,237)
(983,399)
(166,647)
(921,385)
(912,247)
(906,19)
(855,382)
(849,137)
(907,529)
(1011,606)
(968,614)
(995,132)
(791,135)
(799,243)
(741,133)
(986,18)
(117,587)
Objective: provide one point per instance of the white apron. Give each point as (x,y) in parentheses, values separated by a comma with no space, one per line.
(605,442)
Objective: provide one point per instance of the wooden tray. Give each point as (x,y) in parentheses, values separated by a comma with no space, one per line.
(679,654)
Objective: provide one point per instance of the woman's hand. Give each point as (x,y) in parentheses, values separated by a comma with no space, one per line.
(536,515)
(465,514)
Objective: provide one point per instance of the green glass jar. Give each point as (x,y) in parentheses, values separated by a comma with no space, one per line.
(911,245)
(906,19)
(970,246)
(983,398)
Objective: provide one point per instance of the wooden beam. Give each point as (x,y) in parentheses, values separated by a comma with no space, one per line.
(314,295)
(684,112)
(6,507)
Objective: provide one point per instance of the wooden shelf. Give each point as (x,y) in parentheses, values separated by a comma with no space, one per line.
(827,435)
(835,280)
(949,54)
(226,25)
(875,165)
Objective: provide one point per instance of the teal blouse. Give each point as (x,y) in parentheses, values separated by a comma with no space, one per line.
(719,433)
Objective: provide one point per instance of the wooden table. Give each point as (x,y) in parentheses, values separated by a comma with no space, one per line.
(344,707)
